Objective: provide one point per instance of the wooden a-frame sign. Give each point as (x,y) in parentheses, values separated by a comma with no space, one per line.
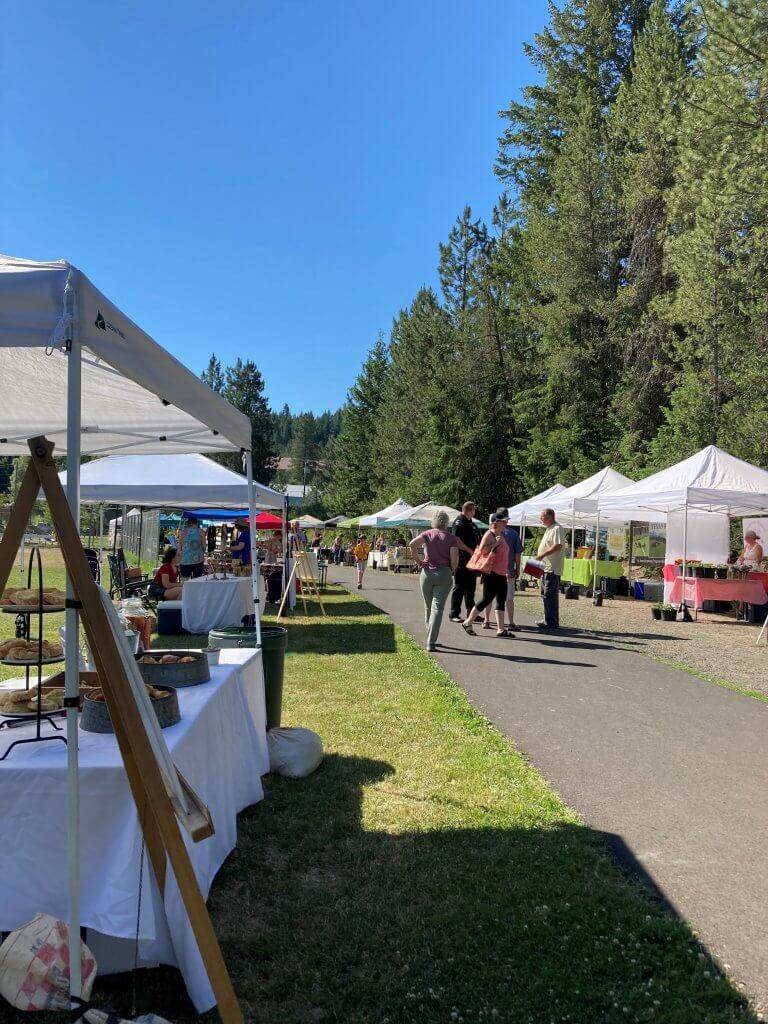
(159,814)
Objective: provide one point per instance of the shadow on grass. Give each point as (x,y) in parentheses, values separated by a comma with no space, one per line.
(323,920)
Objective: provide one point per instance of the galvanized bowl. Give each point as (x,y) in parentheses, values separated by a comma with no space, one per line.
(188,674)
(95,714)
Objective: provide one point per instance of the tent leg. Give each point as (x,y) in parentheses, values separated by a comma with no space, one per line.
(72,673)
(286,556)
(683,606)
(597,549)
(101,539)
(254,559)
(573,541)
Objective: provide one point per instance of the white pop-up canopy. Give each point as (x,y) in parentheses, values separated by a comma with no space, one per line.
(134,394)
(532,506)
(177,481)
(381,517)
(712,480)
(77,369)
(421,515)
(580,501)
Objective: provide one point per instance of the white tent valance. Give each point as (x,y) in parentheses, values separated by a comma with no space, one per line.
(134,394)
(178,481)
(712,480)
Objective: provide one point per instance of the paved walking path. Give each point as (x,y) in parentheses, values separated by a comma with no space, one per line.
(673,766)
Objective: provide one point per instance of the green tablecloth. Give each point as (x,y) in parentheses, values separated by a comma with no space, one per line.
(583,567)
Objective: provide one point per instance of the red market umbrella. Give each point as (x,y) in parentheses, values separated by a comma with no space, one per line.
(268,521)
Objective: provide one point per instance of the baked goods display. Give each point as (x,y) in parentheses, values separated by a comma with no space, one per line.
(167,659)
(24,652)
(27,597)
(19,702)
(154,694)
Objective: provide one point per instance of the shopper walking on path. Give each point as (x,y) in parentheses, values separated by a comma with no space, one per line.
(552,553)
(464,580)
(360,552)
(441,558)
(512,537)
(491,558)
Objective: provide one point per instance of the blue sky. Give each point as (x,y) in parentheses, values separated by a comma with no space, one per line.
(263,179)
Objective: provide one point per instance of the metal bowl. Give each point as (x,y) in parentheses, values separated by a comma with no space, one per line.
(189,674)
(95,714)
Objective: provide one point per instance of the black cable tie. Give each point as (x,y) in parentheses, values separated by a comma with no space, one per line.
(72,602)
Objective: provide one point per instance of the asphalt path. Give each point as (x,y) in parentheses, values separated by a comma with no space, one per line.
(672,767)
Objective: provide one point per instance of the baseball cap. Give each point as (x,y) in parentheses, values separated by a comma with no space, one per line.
(500,513)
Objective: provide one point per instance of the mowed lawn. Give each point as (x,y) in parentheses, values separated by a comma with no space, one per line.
(426,873)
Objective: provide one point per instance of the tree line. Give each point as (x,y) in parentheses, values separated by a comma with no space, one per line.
(303,437)
(614,309)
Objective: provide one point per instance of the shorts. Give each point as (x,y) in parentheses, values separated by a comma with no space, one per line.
(360,566)
(494,591)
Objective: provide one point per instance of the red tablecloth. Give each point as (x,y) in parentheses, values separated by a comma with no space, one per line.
(761,577)
(697,591)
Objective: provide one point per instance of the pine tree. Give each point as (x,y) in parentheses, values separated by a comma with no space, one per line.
(244,388)
(644,127)
(350,485)
(466,243)
(213,375)
(719,246)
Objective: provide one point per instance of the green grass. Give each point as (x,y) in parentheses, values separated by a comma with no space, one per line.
(426,873)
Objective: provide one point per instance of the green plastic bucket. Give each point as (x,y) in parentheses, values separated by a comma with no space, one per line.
(273,644)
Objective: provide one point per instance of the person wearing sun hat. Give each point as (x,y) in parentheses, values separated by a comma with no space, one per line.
(512,537)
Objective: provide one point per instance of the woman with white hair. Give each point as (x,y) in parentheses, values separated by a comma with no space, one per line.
(441,556)
(751,555)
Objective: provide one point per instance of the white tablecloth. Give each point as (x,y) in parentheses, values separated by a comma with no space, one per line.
(208,604)
(220,746)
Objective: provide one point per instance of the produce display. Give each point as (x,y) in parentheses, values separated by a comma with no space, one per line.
(25,651)
(24,597)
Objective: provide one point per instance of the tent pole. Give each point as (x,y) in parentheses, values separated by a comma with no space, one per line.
(252,527)
(685,552)
(286,566)
(597,548)
(573,541)
(522,543)
(141,530)
(101,538)
(72,672)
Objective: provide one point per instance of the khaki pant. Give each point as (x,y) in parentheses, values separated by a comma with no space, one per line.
(435,587)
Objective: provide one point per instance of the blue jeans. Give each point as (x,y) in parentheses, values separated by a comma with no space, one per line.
(436,585)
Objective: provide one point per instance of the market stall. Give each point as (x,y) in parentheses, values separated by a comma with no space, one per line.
(702,494)
(74,368)
(210,603)
(219,745)
(584,571)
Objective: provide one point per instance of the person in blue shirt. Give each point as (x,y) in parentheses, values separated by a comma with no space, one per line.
(241,549)
(512,537)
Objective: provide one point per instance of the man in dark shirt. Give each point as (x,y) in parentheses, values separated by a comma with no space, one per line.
(464,579)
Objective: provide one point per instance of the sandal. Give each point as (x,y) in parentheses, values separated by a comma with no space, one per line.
(467,627)
(487,625)
(505,633)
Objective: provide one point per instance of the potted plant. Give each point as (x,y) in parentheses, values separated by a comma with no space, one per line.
(656,610)
(668,612)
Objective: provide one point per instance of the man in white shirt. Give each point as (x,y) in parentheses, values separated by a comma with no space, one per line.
(552,553)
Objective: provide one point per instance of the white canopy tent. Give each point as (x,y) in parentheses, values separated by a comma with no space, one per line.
(420,516)
(382,517)
(579,503)
(711,481)
(75,368)
(177,481)
(518,513)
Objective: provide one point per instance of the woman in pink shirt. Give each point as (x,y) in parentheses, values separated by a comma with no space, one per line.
(441,556)
(494,580)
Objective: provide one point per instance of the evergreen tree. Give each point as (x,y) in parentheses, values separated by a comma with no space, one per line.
(213,375)
(244,388)
(351,482)
(645,134)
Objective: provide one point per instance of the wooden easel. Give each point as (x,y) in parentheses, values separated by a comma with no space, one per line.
(159,812)
(302,570)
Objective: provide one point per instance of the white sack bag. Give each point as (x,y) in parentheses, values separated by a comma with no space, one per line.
(294,753)
(34,965)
